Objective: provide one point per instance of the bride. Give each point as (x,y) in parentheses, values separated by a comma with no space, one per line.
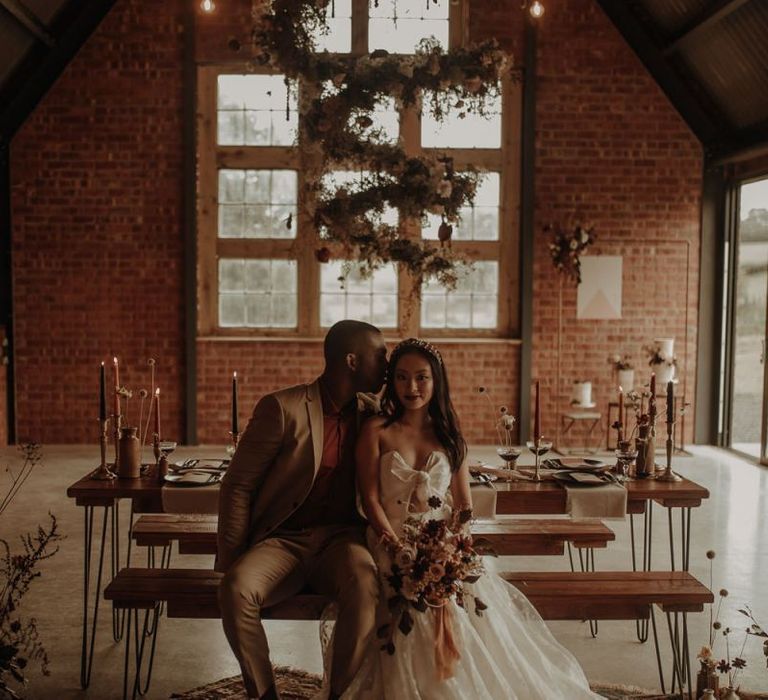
(411,463)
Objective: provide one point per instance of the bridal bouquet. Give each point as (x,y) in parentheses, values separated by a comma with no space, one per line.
(433,560)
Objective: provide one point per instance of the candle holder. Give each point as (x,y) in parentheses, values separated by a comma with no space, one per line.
(235,439)
(117,420)
(103,473)
(539,448)
(668,474)
(156,448)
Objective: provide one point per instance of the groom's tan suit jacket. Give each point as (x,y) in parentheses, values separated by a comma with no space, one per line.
(274,467)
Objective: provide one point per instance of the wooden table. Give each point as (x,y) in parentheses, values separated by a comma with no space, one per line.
(523,497)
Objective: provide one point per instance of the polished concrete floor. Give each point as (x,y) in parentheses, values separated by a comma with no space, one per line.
(194,652)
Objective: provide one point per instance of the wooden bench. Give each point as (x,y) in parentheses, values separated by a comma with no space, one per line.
(603,595)
(196,534)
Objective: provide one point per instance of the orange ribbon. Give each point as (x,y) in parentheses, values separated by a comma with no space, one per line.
(446,652)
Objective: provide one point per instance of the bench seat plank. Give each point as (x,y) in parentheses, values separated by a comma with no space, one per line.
(610,595)
(603,595)
(196,534)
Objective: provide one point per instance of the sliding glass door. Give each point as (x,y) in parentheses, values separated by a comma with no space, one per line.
(749,300)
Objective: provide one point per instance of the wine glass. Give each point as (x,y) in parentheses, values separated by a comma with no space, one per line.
(625,455)
(539,449)
(509,454)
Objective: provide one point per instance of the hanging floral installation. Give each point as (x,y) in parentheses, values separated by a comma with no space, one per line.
(338,97)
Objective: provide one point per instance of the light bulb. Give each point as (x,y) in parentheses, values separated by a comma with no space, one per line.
(207,6)
(536,9)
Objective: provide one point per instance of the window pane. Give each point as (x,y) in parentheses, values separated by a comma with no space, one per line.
(473,131)
(373,300)
(339,37)
(251,111)
(257,203)
(398,27)
(478,223)
(474,303)
(258,293)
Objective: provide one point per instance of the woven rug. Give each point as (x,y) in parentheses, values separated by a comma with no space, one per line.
(299,685)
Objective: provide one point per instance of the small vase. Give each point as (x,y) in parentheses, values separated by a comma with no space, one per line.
(626,379)
(729,694)
(708,694)
(129,448)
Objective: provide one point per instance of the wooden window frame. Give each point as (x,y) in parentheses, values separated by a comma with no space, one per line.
(212,157)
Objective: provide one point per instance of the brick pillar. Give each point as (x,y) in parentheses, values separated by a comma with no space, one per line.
(3,392)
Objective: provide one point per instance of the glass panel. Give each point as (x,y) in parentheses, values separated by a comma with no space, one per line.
(338,39)
(478,223)
(257,203)
(473,304)
(251,110)
(258,293)
(750,322)
(398,27)
(373,300)
(473,131)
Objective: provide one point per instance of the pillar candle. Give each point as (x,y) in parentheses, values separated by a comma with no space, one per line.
(537,417)
(235,429)
(117,386)
(102,393)
(670,402)
(157,412)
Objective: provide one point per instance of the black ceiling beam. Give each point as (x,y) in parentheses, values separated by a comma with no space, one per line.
(28,21)
(35,75)
(743,144)
(679,92)
(713,14)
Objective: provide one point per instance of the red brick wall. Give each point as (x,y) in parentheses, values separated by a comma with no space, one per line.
(98,243)
(97,226)
(3,395)
(266,366)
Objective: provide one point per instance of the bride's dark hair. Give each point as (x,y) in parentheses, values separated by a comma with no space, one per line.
(441,411)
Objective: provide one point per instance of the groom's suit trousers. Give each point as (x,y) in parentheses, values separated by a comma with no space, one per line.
(333,561)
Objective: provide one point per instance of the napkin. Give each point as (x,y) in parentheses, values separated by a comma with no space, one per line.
(609,501)
(483,502)
(200,499)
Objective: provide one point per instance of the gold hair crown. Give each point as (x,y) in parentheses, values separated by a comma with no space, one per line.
(421,345)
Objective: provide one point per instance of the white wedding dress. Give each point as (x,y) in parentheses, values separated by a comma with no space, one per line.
(507,653)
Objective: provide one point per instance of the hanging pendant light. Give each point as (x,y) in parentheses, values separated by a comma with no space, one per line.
(207,6)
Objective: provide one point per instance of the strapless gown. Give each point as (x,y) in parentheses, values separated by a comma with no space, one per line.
(507,653)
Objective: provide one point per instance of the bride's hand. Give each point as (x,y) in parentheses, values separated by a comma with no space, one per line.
(390,543)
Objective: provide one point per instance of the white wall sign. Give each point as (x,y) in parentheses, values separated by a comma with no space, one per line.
(599,294)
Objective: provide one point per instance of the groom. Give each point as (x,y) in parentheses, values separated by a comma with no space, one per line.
(287,515)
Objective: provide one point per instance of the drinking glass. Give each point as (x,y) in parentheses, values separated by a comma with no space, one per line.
(509,454)
(624,459)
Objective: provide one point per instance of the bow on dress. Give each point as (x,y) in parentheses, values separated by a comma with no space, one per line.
(423,482)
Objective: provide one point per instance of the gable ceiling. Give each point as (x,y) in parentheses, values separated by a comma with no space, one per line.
(709,56)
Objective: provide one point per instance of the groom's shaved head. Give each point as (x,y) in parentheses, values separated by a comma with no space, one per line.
(348,337)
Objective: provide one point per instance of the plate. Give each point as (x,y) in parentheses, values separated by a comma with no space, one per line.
(194,478)
(580,464)
(566,476)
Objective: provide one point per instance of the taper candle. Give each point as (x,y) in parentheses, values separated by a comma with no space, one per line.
(117,386)
(235,429)
(670,402)
(157,411)
(537,417)
(102,393)
(653,384)
(620,435)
